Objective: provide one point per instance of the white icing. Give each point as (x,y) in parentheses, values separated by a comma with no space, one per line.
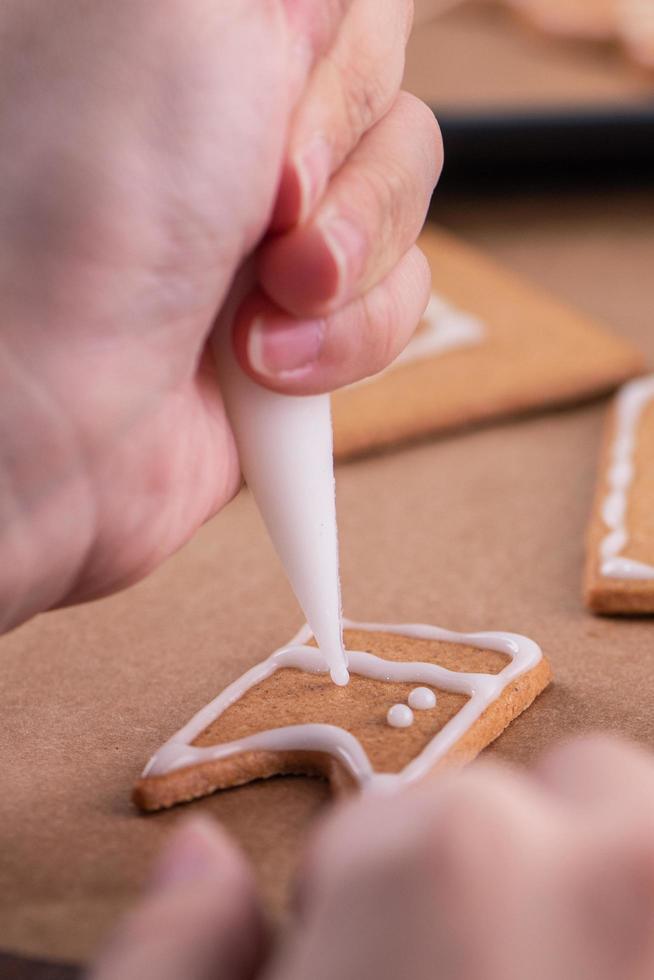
(444,328)
(480,689)
(630,404)
(400,716)
(285,451)
(422,698)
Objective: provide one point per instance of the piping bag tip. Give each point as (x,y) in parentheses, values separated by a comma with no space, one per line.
(340,676)
(285,448)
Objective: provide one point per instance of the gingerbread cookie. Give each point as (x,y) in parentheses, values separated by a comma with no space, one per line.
(491,346)
(620,563)
(419,699)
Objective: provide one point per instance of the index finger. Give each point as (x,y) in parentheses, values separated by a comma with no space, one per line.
(351,87)
(598,771)
(313,26)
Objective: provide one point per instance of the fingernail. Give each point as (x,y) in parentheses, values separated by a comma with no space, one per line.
(282,348)
(348,248)
(189,856)
(313,168)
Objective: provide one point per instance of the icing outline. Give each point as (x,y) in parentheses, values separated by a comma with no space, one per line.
(481,689)
(631,402)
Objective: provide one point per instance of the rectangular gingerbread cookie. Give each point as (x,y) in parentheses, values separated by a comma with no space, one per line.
(491,345)
(619,574)
(419,699)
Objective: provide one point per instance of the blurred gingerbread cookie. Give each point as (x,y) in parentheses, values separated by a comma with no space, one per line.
(491,345)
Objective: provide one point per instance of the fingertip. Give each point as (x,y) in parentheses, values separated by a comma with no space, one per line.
(288,206)
(200,915)
(274,347)
(613,881)
(198,850)
(567,758)
(311,355)
(599,770)
(426,127)
(304,271)
(418,271)
(304,179)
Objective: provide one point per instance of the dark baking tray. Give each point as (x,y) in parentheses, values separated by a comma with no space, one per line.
(547,149)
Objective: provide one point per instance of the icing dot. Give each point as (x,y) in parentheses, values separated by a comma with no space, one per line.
(422,698)
(399,716)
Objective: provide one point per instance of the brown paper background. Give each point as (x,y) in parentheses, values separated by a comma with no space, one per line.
(477,531)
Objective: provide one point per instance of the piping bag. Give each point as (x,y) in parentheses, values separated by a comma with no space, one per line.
(285,445)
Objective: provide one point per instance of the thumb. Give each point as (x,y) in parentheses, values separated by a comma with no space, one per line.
(200,917)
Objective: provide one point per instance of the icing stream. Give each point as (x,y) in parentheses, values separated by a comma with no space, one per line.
(481,689)
(630,404)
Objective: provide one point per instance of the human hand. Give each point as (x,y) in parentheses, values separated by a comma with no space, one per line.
(151,144)
(200,918)
(488,874)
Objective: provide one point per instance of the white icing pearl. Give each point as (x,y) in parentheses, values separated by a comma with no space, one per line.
(400,716)
(422,698)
